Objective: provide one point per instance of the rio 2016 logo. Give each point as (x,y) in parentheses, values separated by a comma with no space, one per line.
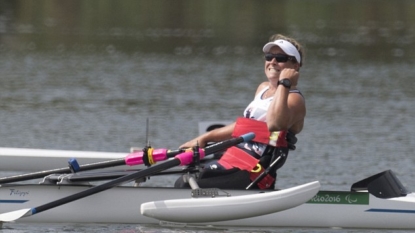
(327,197)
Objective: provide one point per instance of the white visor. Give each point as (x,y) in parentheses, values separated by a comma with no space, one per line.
(286,46)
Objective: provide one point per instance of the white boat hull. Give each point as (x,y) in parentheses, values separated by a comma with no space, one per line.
(29,160)
(398,213)
(122,205)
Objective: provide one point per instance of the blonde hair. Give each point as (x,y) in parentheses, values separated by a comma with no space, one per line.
(292,41)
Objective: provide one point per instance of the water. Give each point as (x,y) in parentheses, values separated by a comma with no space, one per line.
(23,228)
(67,85)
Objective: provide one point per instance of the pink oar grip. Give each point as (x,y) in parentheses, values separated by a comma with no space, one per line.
(136,158)
(187,157)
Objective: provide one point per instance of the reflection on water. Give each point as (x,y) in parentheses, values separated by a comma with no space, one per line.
(369,30)
(87,79)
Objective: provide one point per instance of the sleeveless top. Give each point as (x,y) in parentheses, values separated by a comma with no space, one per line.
(257,110)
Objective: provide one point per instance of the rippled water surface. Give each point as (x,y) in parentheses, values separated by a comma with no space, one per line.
(95,91)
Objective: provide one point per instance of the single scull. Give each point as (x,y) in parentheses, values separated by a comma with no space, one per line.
(379,201)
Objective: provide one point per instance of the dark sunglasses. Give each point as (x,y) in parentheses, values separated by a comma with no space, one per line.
(279,57)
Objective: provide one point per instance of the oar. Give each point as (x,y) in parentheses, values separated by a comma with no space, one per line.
(184,158)
(132,159)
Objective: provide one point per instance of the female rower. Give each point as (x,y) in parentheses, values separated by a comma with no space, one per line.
(275,115)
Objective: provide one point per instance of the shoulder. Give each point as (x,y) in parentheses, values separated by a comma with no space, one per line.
(296,96)
(297,92)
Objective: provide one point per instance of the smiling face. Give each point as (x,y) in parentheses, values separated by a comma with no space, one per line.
(274,68)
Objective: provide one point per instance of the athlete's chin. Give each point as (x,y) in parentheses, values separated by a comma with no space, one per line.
(273,78)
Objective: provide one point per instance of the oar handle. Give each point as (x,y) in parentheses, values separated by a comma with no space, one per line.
(186,158)
(154,155)
(220,146)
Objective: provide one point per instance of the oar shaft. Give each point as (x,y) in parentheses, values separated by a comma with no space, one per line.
(41,174)
(137,175)
(220,146)
(85,167)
